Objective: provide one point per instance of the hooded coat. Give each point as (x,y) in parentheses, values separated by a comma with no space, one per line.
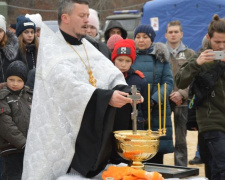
(115,24)
(9,53)
(15,116)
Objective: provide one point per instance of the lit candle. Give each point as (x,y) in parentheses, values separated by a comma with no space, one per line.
(159,99)
(149,111)
(164,117)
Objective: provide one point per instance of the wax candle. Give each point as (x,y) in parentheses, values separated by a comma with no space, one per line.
(164,114)
(149,111)
(159,99)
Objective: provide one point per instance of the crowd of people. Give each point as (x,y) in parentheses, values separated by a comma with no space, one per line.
(78,88)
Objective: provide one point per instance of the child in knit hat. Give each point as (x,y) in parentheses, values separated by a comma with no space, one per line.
(15,107)
(123,56)
(28,41)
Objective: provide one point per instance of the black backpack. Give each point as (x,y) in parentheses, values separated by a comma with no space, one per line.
(201,87)
(204,83)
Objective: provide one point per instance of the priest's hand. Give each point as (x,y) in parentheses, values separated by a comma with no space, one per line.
(141,100)
(119,99)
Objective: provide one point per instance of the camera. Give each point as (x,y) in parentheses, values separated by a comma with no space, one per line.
(219,55)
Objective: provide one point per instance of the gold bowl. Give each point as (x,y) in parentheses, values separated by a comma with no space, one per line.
(137,147)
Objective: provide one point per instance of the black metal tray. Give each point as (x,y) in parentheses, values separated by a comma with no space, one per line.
(172,171)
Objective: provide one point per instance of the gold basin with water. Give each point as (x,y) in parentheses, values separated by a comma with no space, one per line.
(137,147)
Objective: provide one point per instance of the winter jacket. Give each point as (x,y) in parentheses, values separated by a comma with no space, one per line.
(9,53)
(31,56)
(210,114)
(14,119)
(115,24)
(154,63)
(177,58)
(102,47)
(31,79)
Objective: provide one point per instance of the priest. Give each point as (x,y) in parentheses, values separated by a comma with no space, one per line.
(76,93)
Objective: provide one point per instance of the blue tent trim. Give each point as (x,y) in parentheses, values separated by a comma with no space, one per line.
(194,15)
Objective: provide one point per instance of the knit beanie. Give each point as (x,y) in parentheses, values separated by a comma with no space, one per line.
(36,18)
(13,26)
(147,29)
(2,23)
(24,23)
(124,47)
(17,68)
(93,19)
(112,40)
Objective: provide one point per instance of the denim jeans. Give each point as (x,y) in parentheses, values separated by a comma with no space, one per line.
(215,142)
(180,150)
(197,152)
(12,166)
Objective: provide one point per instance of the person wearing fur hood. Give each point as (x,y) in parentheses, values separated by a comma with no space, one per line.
(9,49)
(153,60)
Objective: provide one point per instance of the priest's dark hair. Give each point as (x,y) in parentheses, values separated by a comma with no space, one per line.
(67,6)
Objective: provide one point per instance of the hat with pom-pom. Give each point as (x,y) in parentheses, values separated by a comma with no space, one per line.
(93,19)
(36,18)
(2,23)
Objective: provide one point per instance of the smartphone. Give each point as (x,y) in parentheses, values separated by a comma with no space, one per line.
(219,55)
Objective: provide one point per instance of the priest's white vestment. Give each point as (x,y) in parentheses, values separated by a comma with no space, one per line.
(61,94)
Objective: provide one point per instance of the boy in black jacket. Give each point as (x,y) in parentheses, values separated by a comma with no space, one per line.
(15,103)
(123,56)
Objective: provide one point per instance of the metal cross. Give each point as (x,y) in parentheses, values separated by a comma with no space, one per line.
(134,114)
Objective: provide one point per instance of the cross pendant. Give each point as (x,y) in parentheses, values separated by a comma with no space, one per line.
(92,80)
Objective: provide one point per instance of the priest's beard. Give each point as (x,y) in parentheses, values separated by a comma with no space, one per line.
(80,36)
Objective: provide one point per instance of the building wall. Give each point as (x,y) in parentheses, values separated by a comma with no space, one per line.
(47,9)
(4,9)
